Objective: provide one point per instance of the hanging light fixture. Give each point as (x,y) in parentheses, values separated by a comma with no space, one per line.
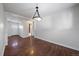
(36,16)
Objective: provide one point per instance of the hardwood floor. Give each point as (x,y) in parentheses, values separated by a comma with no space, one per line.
(18,46)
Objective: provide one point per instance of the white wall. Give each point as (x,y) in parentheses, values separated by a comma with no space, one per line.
(61,27)
(2,30)
(15,24)
(13,28)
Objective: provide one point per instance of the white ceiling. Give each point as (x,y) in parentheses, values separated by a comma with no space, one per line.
(28,9)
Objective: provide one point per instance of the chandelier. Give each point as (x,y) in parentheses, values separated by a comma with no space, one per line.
(36,16)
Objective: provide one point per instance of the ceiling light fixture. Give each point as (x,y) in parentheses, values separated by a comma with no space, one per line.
(36,16)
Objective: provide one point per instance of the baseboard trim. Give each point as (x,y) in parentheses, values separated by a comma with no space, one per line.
(57,43)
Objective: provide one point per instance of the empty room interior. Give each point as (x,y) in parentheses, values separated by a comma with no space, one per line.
(39,29)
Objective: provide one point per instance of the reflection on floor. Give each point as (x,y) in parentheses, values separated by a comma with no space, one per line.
(18,46)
